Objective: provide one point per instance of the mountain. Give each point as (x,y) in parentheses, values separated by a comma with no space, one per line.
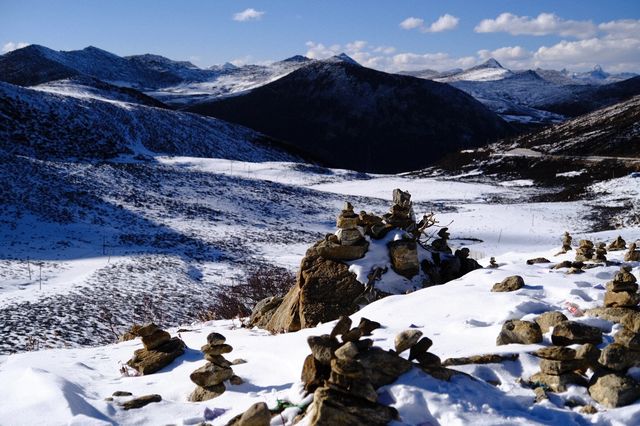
(45,124)
(349,116)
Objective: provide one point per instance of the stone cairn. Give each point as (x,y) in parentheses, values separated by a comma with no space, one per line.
(633,254)
(585,251)
(210,377)
(566,242)
(622,291)
(403,252)
(493,263)
(348,243)
(160,349)
(600,254)
(344,375)
(617,244)
(441,244)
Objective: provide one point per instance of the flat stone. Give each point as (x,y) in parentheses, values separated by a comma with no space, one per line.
(216,349)
(348,367)
(333,251)
(517,331)
(141,401)
(610,314)
(352,335)
(348,350)
(631,321)
(618,286)
(236,380)
(149,361)
(218,360)
(538,260)
(406,339)
(361,388)
(121,393)
(549,319)
(367,326)
(480,359)
(205,394)
(572,332)
(323,347)
(214,339)
(428,359)
(614,390)
(422,346)
(383,367)
(621,299)
(342,326)
(555,367)
(210,375)
(628,338)
(332,407)
(155,339)
(559,353)
(511,283)
(558,383)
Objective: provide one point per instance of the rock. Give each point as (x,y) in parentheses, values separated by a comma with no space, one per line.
(512,283)
(363,344)
(324,291)
(147,329)
(205,394)
(236,380)
(216,349)
(263,311)
(332,407)
(566,242)
(588,409)
(422,346)
(214,339)
(121,393)
(334,251)
(628,338)
(617,357)
(141,401)
(383,367)
(556,367)
(493,263)
(210,375)
(559,353)
(441,244)
(349,368)
(480,359)
(625,275)
(404,257)
(585,251)
(367,326)
(361,388)
(632,255)
(631,321)
(617,244)
(156,339)
(541,395)
(538,260)
(427,359)
(557,383)
(238,361)
(342,326)
(614,390)
(218,360)
(619,286)
(323,347)
(589,353)
(347,351)
(352,335)
(610,314)
(149,361)
(621,299)
(517,331)
(314,373)
(549,319)
(563,264)
(256,415)
(130,334)
(571,332)
(406,339)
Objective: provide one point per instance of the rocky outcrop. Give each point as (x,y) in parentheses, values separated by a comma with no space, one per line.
(160,349)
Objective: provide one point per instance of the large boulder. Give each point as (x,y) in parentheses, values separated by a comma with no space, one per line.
(614,390)
(512,283)
(324,291)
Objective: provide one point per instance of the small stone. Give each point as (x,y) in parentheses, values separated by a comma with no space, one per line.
(555,367)
(364,344)
(352,335)
(314,373)
(149,361)
(108,399)
(512,283)
(348,367)
(404,257)
(383,367)
(367,326)
(141,401)
(210,375)
(572,332)
(216,349)
(617,244)
(614,390)
(618,286)
(322,347)
(517,331)
(218,360)
(559,353)
(121,393)
(617,357)
(481,359)
(631,321)
(406,339)
(589,353)
(147,330)
(541,395)
(236,380)
(238,361)
(588,409)
(610,314)
(538,260)
(427,359)
(558,383)
(549,319)
(347,351)
(422,346)
(214,339)
(624,276)
(342,326)
(205,394)
(628,338)
(256,415)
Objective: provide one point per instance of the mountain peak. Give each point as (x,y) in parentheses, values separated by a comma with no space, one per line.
(490,63)
(343,57)
(296,58)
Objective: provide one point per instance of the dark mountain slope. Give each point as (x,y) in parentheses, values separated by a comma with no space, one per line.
(354,117)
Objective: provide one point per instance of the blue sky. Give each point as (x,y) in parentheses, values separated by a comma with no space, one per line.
(433,34)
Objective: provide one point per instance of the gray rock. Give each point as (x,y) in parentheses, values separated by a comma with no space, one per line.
(210,375)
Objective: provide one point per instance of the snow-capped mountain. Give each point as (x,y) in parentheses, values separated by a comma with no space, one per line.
(346,115)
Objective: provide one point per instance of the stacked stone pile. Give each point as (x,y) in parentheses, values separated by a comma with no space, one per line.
(403,252)
(618,244)
(566,242)
(160,349)
(348,243)
(622,291)
(600,254)
(633,254)
(210,377)
(585,251)
(441,244)
(401,214)
(559,367)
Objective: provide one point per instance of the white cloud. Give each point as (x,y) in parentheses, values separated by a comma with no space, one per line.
(10,46)
(621,27)
(411,23)
(614,54)
(249,14)
(443,23)
(543,24)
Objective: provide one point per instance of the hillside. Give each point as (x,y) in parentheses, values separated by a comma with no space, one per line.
(389,122)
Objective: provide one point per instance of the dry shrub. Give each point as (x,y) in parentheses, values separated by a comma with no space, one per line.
(237,300)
